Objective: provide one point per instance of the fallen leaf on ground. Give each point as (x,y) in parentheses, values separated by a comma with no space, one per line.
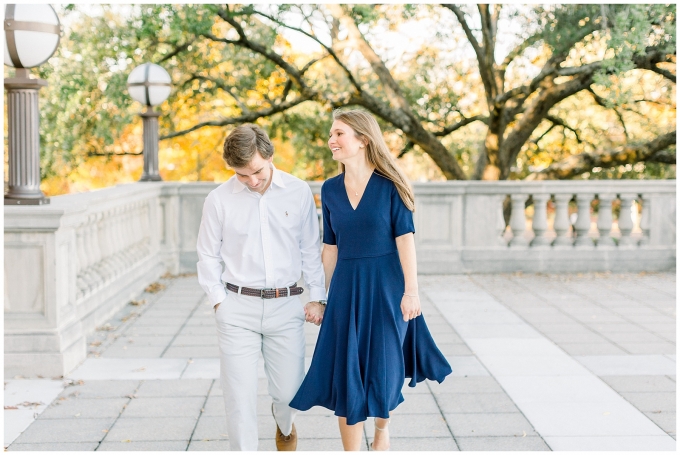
(140,369)
(129,316)
(137,302)
(154,287)
(96,343)
(106,327)
(11,407)
(28,404)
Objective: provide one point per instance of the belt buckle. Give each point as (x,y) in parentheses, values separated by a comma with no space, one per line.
(262,291)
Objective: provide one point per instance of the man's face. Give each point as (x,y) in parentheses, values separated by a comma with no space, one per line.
(257,174)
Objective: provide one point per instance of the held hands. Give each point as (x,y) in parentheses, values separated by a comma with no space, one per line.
(410,306)
(314,312)
(215,307)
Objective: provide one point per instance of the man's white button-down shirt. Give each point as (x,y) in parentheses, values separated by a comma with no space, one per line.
(265,241)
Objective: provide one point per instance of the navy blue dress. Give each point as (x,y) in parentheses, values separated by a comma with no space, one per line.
(365,349)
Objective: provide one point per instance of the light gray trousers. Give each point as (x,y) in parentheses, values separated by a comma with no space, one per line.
(247,326)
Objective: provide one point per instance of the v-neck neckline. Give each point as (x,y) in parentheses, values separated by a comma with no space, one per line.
(344,187)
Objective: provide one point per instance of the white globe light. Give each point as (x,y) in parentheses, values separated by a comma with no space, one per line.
(31,34)
(149,84)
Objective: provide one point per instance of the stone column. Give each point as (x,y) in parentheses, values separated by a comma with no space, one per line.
(562,223)
(604,220)
(540,223)
(582,225)
(150,122)
(23,119)
(625,220)
(645,219)
(500,224)
(518,221)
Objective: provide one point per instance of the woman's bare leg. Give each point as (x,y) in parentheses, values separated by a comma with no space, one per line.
(351,435)
(381,437)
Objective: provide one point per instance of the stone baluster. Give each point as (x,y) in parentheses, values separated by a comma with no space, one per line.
(645,220)
(107,243)
(604,220)
(113,216)
(518,221)
(139,231)
(127,234)
(131,235)
(93,249)
(540,222)
(106,246)
(562,224)
(97,253)
(81,266)
(147,226)
(86,270)
(625,220)
(114,219)
(582,225)
(500,223)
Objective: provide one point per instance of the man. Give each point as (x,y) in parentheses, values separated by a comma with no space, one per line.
(262,224)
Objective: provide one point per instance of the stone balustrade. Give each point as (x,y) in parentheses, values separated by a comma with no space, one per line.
(72,264)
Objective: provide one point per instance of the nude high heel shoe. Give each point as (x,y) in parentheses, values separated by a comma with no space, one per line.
(370,447)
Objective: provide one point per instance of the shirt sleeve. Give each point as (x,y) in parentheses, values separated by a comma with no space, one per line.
(402,218)
(328,233)
(310,249)
(208,245)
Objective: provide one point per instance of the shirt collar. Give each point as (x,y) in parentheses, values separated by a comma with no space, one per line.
(277,180)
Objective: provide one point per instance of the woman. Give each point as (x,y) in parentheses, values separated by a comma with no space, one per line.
(373,334)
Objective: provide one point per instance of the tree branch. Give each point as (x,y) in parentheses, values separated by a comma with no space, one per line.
(465,121)
(534,114)
(243,41)
(602,102)
(115,154)
(663,156)
(468,32)
(563,124)
(222,86)
(176,51)
(248,117)
(392,89)
(518,50)
(585,162)
(545,133)
(665,73)
(329,49)
(484,60)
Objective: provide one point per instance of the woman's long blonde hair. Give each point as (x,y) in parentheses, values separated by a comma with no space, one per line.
(378,154)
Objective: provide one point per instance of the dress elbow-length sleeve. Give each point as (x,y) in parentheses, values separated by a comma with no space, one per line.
(328,233)
(402,218)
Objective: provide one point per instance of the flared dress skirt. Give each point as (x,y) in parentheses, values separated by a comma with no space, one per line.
(365,349)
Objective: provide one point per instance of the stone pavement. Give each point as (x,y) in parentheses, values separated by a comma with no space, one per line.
(540,362)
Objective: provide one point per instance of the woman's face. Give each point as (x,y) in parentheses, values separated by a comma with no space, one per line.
(343,142)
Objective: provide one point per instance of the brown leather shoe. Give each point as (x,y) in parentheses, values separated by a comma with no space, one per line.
(286,443)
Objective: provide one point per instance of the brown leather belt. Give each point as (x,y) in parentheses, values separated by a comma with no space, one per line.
(270,293)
